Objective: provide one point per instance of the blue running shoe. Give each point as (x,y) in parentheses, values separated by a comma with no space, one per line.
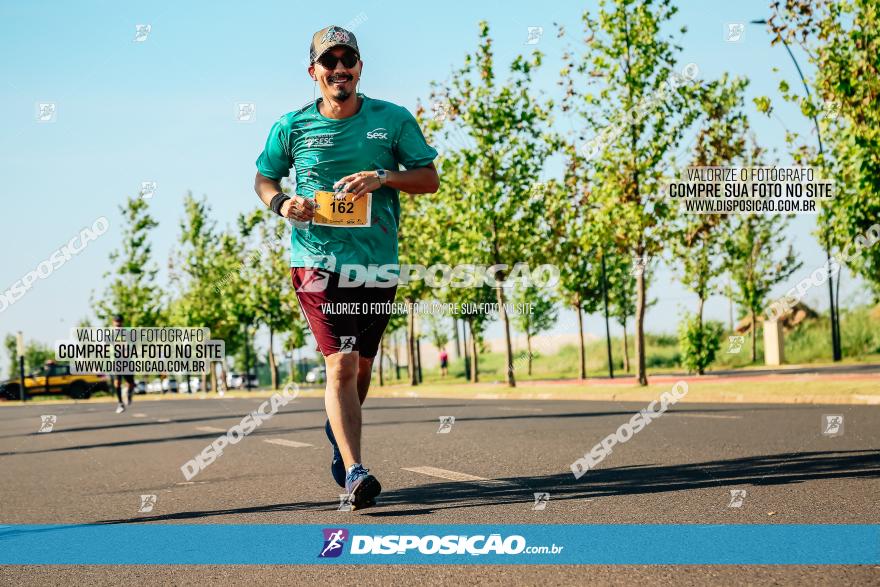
(337,466)
(362,487)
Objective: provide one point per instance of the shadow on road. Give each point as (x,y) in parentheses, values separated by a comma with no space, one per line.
(778,469)
(225,416)
(276,431)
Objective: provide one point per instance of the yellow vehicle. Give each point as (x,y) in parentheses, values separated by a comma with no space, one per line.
(55,379)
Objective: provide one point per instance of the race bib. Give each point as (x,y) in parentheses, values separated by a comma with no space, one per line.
(339,210)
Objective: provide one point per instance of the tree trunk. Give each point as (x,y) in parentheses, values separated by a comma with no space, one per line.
(837,313)
(397,356)
(641,374)
(222,383)
(700,369)
(625,349)
(419,358)
(455,337)
(754,335)
(730,305)
(529,350)
(411,348)
(475,377)
(464,348)
(381,360)
(582,354)
(273,368)
(214,377)
(511,379)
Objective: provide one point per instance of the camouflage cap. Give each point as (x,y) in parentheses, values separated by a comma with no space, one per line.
(329,37)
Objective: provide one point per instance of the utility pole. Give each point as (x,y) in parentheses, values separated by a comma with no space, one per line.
(607,328)
(836,350)
(19,343)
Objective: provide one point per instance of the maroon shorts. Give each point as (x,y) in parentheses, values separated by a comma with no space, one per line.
(342,319)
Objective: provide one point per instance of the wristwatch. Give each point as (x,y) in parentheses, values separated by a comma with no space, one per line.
(382,175)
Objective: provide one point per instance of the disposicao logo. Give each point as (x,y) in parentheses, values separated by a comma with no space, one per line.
(334,540)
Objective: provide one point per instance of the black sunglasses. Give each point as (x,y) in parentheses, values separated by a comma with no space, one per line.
(349,59)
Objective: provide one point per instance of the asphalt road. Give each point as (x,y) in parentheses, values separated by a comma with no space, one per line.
(94,466)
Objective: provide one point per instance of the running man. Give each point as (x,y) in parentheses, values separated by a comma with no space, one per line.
(118,379)
(347,149)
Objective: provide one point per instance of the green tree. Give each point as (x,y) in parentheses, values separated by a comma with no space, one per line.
(438,330)
(753,264)
(268,275)
(133,291)
(638,109)
(205,258)
(11,346)
(622,296)
(699,238)
(576,238)
(506,130)
(540,316)
(841,39)
(477,321)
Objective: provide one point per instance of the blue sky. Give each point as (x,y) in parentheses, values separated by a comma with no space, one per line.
(163,110)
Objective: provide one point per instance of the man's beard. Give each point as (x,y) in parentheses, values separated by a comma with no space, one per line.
(342,95)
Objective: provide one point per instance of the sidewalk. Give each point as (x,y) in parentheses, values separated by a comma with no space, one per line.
(797,385)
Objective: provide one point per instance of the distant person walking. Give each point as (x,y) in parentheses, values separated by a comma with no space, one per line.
(444,362)
(118,379)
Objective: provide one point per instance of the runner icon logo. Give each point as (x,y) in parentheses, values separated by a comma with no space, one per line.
(314,281)
(344,502)
(735,344)
(446,423)
(147,504)
(47,423)
(737,496)
(638,265)
(541,500)
(346,344)
(334,540)
(832,425)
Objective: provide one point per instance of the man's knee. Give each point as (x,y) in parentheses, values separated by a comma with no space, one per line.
(342,368)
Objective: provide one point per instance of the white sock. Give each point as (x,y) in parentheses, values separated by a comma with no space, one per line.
(351,468)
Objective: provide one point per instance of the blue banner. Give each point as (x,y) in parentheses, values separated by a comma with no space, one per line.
(133,544)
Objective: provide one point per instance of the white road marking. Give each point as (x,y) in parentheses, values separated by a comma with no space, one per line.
(163,420)
(521,409)
(210,429)
(138,415)
(708,416)
(454,475)
(444,474)
(285,442)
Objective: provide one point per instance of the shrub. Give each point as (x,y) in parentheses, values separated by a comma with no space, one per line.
(699,342)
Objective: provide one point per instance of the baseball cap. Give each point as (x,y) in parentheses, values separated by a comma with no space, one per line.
(329,37)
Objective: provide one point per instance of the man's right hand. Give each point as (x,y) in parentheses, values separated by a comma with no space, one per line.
(299,208)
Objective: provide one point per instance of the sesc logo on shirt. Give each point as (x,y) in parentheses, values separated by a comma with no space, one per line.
(378,133)
(320,140)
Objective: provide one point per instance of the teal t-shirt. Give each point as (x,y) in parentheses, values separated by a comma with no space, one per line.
(323,150)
